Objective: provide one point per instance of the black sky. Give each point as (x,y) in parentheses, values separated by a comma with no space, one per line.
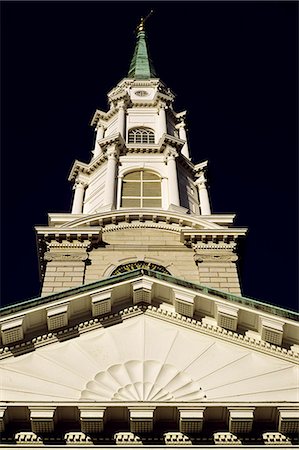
(233,66)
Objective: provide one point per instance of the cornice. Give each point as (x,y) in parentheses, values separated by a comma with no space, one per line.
(141,214)
(186,405)
(81,297)
(158,313)
(62,219)
(211,238)
(117,140)
(81,234)
(87,169)
(165,140)
(102,115)
(225,235)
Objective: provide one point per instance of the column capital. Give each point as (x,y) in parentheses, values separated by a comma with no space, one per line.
(79,181)
(112,152)
(163,105)
(181,124)
(170,154)
(200,182)
(121,104)
(99,124)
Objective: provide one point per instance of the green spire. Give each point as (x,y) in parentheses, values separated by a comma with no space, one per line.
(141,66)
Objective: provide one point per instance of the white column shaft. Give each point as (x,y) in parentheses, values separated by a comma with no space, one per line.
(78,199)
(121,121)
(99,136)
(204,200)
(173,186)
(162,121)
(100,132)
(110,180)
(183,136)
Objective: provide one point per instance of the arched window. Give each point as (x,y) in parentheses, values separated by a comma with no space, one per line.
(141,189)
(141,136)
(139,265)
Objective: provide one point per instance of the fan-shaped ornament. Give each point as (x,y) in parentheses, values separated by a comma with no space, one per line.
(142,381)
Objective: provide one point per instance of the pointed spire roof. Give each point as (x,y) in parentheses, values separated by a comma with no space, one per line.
(141,66)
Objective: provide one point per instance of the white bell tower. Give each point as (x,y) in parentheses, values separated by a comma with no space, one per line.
(141,137)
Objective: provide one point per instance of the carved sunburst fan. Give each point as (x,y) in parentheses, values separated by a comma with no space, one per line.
(142,381)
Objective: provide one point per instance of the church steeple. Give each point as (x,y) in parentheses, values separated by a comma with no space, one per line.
(141,195)
(141,67)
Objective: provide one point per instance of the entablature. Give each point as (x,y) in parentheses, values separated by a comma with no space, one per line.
(117,141)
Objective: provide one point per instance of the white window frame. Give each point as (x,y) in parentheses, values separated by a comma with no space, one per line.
(146,135)
(141,198)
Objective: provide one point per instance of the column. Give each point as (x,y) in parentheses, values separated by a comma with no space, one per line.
(121,119)
(183,136)
(173,187)
(78,197)
(99,136)
(109,192)
(162,121)
(203,196)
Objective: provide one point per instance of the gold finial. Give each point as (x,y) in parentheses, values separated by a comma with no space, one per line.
(142,21)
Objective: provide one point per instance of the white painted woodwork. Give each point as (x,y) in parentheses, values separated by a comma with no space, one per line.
(110,181)
(183,136)
(162,121)
(121,120)
(203,198)
(78,197)
(173,188)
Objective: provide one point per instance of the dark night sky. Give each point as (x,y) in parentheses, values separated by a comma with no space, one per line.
(232,65)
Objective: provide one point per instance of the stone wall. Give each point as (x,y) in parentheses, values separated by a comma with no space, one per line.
(72,268)
(63,271)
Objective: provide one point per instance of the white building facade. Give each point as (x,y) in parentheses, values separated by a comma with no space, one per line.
(141,336)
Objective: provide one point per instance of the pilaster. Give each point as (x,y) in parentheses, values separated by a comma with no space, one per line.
(64,269)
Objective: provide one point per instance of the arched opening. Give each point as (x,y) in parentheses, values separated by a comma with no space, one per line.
(141,189)
(141,136)
(139,265)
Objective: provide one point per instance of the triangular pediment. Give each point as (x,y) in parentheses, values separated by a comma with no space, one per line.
(145,359)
